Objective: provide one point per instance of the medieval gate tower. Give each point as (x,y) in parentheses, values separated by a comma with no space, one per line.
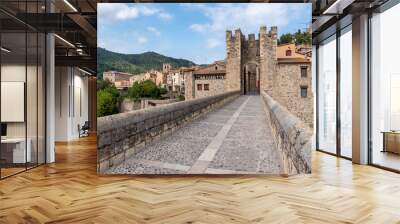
(251,63)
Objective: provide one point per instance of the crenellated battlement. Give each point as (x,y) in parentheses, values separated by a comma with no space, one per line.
(232,37)
(245,53)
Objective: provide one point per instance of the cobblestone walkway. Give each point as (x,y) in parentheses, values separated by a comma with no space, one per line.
(234,139)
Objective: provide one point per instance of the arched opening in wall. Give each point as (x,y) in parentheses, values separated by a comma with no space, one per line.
(251,79)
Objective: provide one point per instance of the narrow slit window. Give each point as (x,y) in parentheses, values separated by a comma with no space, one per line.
(303,71)
(303,91)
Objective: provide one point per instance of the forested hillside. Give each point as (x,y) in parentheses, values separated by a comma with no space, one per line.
(134,63)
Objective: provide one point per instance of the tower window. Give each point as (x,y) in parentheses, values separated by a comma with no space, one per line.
(303,71)
(289,52)
(303,91)
(206,87)
(199,87)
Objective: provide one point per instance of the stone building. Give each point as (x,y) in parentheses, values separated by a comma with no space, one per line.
(166,68)
(119,79)
(290,50)
(156,76)
(176,80)
(113,76)
(123,80)
(205,81)
(253,64)
(153,75)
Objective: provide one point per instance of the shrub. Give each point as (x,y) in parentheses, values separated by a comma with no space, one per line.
(107,103)
(102,84)
(181,98)
(150,89)
(163,90)
(135,91)
(146,88)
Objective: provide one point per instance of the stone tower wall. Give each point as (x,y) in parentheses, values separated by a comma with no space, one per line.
(280,81)
(268,60)
(233,60)
(166,67)
(251,49)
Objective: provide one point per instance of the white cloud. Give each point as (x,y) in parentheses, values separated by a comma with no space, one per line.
(127,13)
(153,30)
(212,43)
(148,10)
(111,12)
(248,17)
(198,27)
(207,28)
(165,16)
(116,11)
(142,40)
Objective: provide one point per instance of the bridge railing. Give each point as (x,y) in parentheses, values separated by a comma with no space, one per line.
(292,136)
(121,135)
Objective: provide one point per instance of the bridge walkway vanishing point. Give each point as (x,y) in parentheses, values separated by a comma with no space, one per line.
(233,139)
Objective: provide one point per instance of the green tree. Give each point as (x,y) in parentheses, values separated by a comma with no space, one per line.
(114,92)
(102,84)
(297,38)
(302,38)
(181,97)
(162,90)
(146,88)
(108,99)
(107,103)
(135,91)
(150,89)
(286,38)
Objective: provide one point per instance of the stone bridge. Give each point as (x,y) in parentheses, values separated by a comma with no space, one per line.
(225,134)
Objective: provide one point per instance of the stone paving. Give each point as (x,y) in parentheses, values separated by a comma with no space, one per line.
(234,139)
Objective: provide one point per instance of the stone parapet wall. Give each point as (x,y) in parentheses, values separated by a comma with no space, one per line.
(121,135)
(128,105)
(293,137)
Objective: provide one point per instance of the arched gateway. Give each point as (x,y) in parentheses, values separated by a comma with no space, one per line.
(250,61)
(251,78)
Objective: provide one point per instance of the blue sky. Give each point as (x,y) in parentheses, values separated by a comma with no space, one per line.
(191,31)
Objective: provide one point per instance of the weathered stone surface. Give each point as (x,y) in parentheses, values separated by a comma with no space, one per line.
(216,86)
(292,135)
(120,132)
(287,90)
(246,148)
(252,65)
(233,60)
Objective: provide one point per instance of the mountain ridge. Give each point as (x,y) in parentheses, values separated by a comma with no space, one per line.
(135,63)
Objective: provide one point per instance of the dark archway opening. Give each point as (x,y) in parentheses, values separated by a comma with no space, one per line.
(251,80)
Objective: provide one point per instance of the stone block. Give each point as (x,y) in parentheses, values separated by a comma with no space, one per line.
(293,137)
(121,135)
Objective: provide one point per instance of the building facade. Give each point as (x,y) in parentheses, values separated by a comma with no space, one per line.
(114,76)
(123,80)
(205,81)
(176,80)
(254,64)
